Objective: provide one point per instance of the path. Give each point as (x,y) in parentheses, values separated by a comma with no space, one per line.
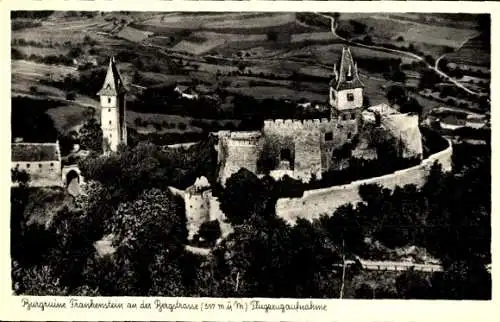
(392,266)
(400,52)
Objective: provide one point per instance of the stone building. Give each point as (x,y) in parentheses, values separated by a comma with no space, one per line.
(305,149)
(113,109)
(42,161)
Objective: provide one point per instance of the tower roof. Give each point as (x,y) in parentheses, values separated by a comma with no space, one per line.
(346,72)
(113,83)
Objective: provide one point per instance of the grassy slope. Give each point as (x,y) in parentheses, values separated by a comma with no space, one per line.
(305,51)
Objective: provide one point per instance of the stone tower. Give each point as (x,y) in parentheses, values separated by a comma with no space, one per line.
(346,89)
(113,124)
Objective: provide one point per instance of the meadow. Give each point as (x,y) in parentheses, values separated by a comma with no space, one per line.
(475,52)
(260,55)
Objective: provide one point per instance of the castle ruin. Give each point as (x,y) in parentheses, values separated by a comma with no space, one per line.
(305,149)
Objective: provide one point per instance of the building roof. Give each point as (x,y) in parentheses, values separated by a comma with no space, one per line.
(346,76)
(35,152)
(113,83)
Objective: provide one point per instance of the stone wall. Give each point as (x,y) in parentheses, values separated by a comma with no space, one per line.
(325,201)
(203,207)
(311,142)
(238,150)
(42,173)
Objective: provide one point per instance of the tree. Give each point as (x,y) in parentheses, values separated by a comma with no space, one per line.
(412,285)
(261,258)
(398,76)
(37,281)
(345,231)
(365,291)
(244,197)
(75,52)
(74,233)
(396,94)
(272,35)
(210,231)
(20,176)
(428,79)
(70,96)
(149,233)
(154,221)
(91,136)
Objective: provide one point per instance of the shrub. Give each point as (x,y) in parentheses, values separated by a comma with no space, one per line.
(138,121)
(70,96)
(210,231)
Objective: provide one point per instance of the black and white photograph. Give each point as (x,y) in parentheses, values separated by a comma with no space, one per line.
(302,155)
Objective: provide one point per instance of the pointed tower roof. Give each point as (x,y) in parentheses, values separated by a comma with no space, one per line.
(113,83)
(346,72)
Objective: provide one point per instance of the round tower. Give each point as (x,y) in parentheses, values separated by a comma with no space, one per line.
(197,205)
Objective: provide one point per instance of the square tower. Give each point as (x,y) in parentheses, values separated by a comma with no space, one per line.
(346,89)
(113,122)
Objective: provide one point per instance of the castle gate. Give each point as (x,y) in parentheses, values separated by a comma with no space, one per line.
(71,178)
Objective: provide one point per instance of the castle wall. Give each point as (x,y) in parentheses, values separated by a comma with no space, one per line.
(42,173)
(308,155)
(311,142)
(325,201)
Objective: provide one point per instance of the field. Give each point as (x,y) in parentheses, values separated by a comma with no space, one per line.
(405,29)
(40,51)
(475,52)
(263,55)
(163,123)
(197,48)
(133,35)
(69,117)
(436,35)
(250,22)
(26,75)
(265,92)
(21,67)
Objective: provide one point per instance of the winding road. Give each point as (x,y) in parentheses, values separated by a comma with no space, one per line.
(401,52)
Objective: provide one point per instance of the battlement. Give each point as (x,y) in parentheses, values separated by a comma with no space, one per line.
(243,138)
(296,124)
(245,135)
(221,134)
